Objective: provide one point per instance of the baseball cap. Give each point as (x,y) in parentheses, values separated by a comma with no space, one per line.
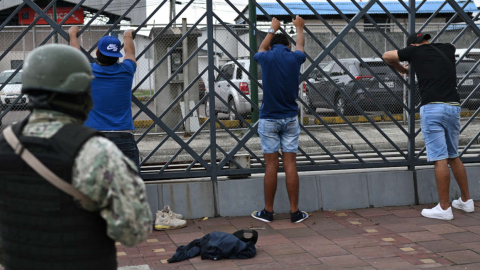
(417,38)
(110,46)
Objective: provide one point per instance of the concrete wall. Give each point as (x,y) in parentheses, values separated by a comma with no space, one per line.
(329,190)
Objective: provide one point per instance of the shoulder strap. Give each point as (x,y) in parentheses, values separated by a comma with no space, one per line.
(444,56)
(41,169)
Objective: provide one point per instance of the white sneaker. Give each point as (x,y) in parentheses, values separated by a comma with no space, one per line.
(167,210)
(438,213)
(467,206)
(167,221)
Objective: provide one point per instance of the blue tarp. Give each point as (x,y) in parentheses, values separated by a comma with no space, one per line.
(348,8)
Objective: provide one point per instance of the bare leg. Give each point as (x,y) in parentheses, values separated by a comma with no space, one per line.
(270,181)
(442,175)
(290,166)
(461,176)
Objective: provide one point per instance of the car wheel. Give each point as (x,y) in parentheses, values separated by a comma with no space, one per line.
(341,105)
(308,101)
(473,106)
(231,114)
(207,110)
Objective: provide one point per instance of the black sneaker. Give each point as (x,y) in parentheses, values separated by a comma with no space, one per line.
(263,215)
(298,216)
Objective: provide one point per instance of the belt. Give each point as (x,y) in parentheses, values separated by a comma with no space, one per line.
(447,103)
(125,135)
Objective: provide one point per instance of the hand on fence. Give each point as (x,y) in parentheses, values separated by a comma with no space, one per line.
(129,33)
(275,24)
(298,22)
(73,31)
(406,69)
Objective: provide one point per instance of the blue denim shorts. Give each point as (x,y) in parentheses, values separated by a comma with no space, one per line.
(276,133)
(441,130)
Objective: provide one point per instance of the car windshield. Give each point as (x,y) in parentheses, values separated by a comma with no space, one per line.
(465,66)
(379,68)
(314,74)
(15,80)
(328,67)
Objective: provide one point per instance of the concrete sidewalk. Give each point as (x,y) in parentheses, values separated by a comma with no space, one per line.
(373,238)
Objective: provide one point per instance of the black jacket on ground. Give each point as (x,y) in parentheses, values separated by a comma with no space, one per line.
(217,246)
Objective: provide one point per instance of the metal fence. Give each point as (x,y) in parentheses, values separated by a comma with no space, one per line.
(192,93)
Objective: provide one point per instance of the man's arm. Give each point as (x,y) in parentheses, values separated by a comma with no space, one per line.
(110,179)
(72,33)
(393,60)
(265,46)
(129,46)
(299,24)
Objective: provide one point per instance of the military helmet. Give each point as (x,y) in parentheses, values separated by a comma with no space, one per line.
(57,68)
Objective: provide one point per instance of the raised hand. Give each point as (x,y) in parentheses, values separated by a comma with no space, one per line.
(275,24)
(298,22)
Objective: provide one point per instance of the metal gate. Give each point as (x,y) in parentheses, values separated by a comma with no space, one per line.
(196,92)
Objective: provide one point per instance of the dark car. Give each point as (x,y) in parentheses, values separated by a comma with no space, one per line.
(469,84)
(363,76)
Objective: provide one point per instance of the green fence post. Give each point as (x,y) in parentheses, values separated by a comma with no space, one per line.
(252,16)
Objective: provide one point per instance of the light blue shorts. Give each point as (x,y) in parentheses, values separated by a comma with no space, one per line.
(276,133)
(441,130)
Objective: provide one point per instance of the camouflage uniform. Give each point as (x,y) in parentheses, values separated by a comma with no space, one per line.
(106,176)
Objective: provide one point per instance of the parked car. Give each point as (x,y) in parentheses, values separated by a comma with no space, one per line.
(354,91)
(473,53)
(12,89)
(470,83)
(225,90)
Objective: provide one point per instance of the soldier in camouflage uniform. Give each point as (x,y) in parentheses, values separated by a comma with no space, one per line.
(59,91)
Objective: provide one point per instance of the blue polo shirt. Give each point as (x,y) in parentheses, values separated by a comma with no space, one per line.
(280,79)
(112,97)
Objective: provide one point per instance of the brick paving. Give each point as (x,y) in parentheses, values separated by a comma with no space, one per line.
(374,238)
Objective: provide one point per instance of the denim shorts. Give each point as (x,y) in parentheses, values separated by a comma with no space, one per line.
(276,133)
(441,130)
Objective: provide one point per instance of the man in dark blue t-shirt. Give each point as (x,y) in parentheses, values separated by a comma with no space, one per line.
(112,91)
(278,125)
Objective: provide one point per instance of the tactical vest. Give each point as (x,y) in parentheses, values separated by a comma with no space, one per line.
(42,228)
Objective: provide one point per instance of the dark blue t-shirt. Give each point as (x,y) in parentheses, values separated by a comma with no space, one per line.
(280,79)
(112,97)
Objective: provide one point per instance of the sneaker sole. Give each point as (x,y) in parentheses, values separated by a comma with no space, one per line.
(460,208)
(264,220)
(436,217)
(298,221)
(164,228)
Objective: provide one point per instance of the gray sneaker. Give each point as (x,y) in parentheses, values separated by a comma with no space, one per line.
(167,209)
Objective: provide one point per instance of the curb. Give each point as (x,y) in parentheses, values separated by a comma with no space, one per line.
(328,120)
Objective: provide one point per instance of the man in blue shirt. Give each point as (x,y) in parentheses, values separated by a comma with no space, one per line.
(112,91)
(278,125)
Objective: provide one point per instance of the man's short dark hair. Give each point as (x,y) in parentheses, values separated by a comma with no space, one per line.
(280,38)
(106,60)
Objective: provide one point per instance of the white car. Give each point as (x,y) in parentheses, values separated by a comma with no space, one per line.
(12,89)
(241,80)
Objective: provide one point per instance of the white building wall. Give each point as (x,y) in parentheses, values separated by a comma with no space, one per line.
(144,64)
